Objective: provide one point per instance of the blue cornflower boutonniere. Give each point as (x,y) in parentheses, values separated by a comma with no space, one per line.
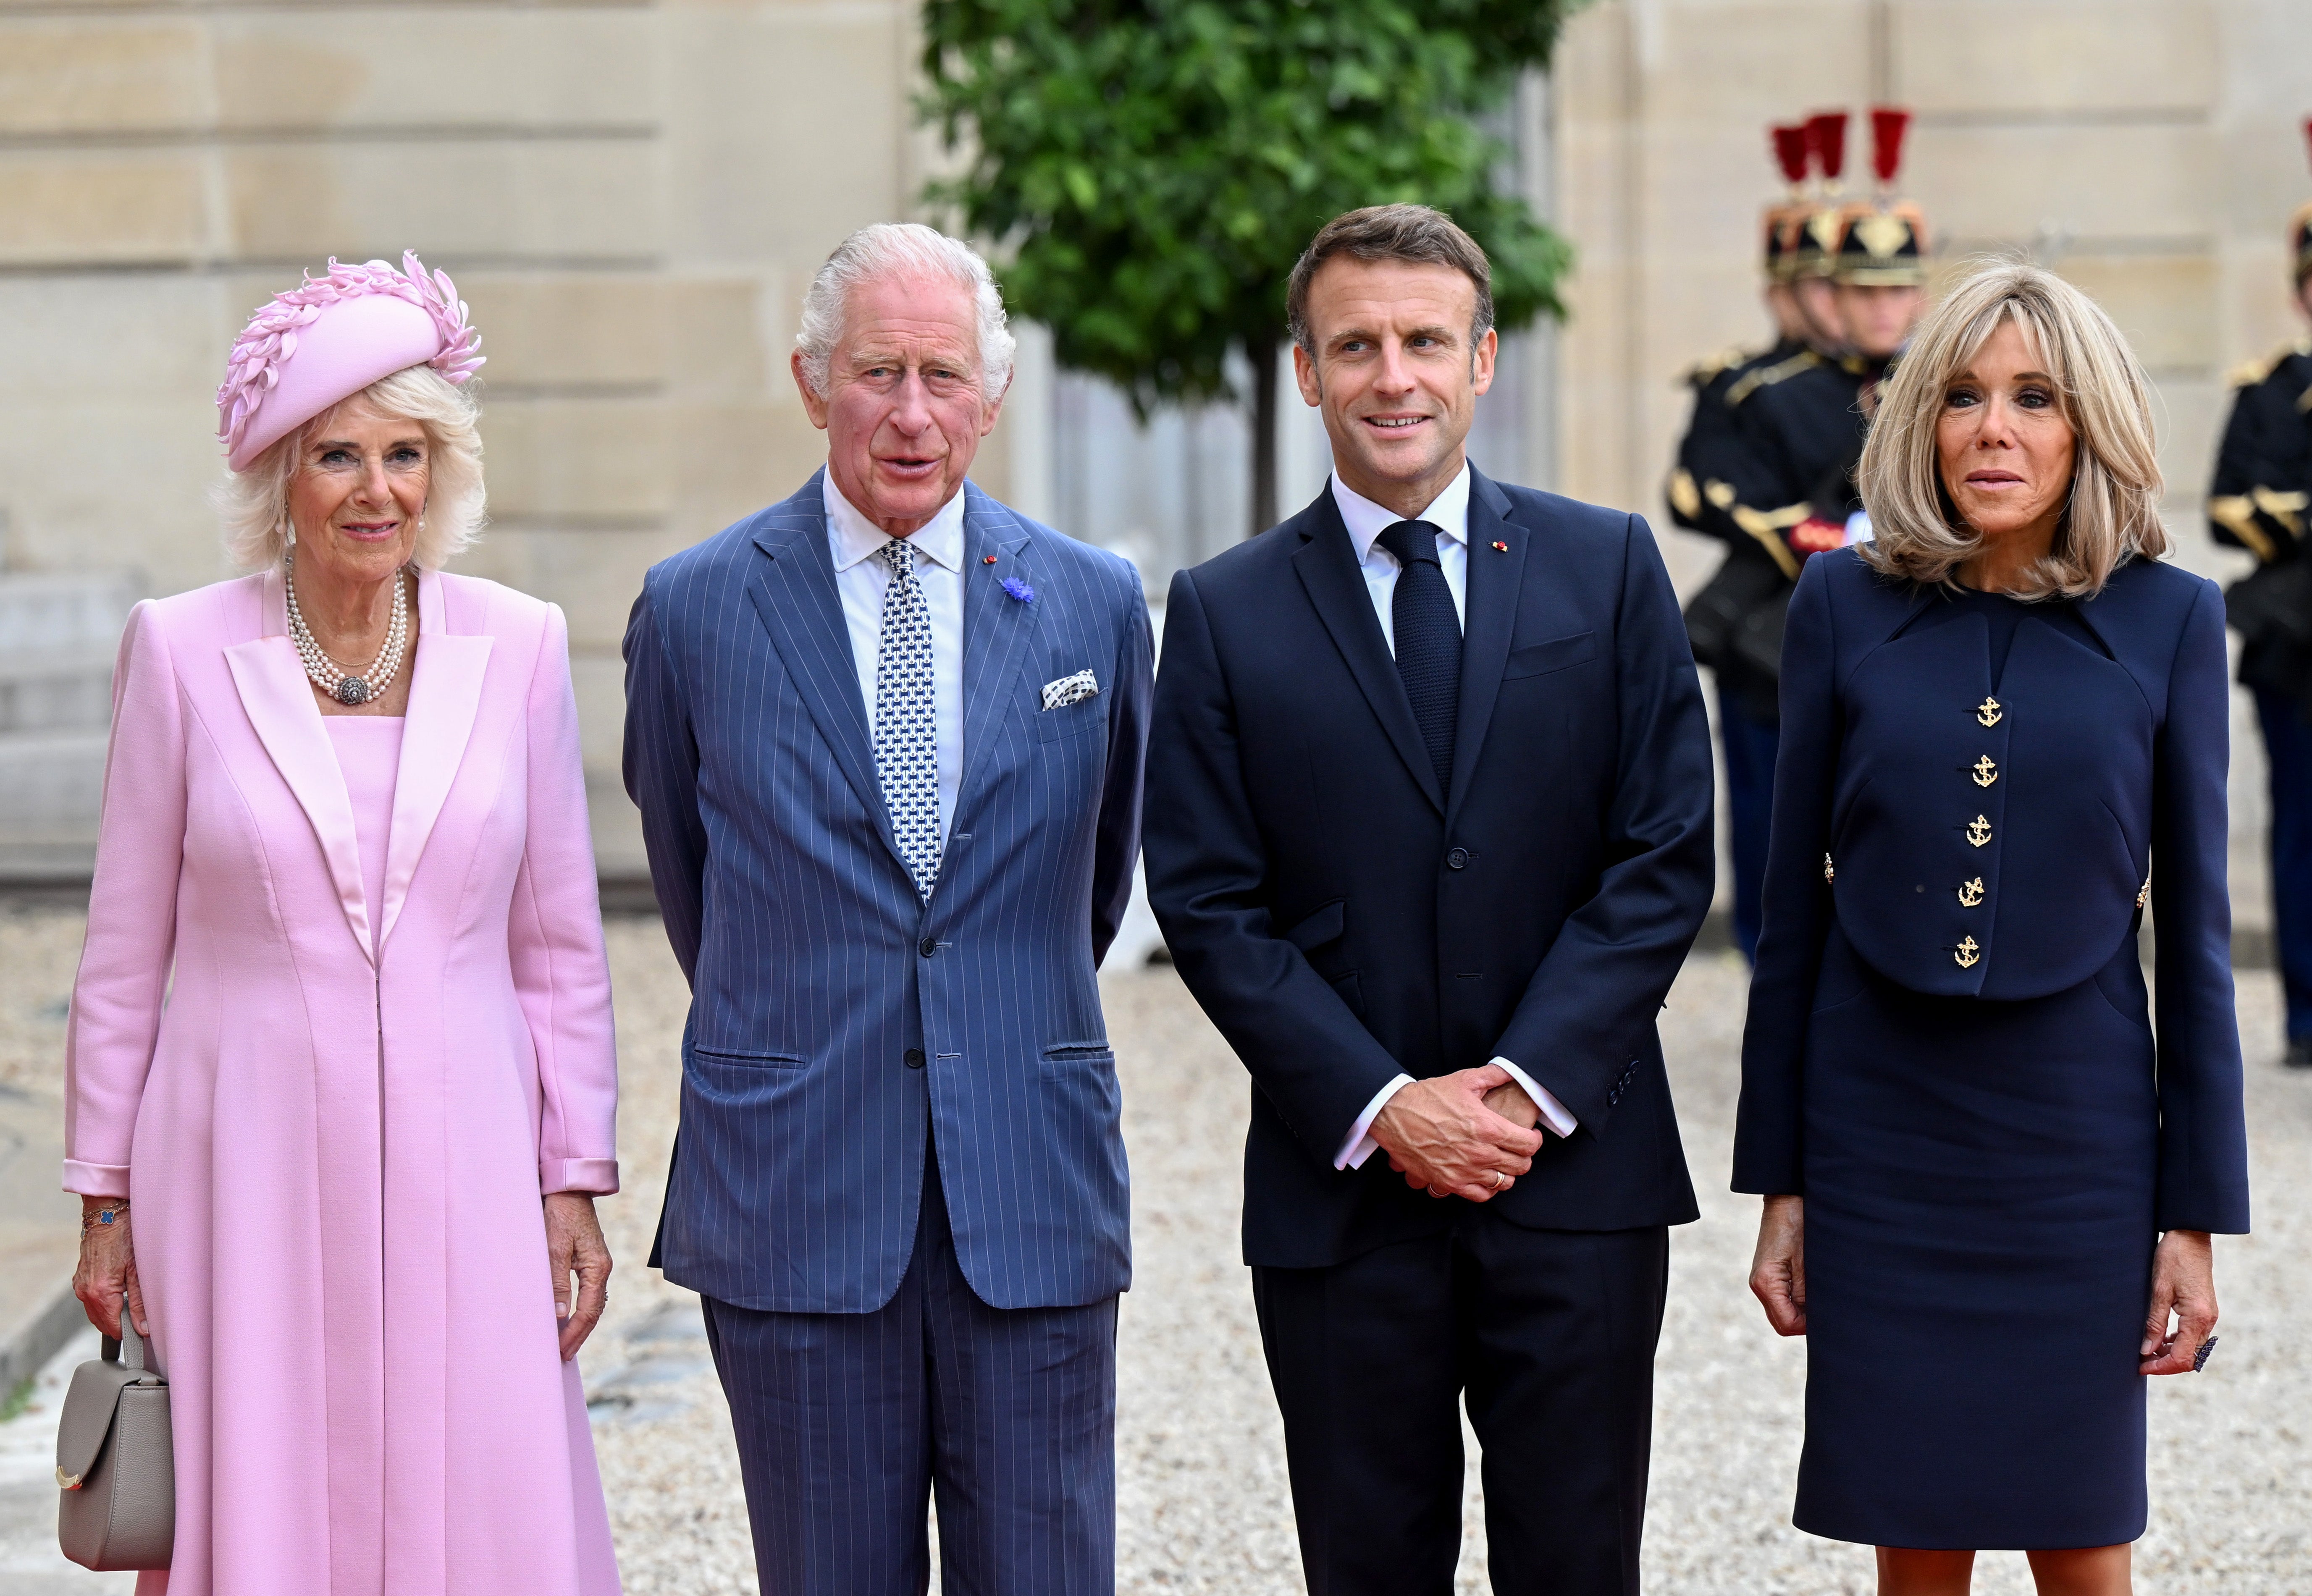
(1018,589)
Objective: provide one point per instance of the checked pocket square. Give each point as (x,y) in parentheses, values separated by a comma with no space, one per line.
(1068,690)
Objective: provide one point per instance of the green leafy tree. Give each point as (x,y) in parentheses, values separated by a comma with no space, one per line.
(1152,168)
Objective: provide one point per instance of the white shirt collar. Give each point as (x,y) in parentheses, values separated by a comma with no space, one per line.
(939,540)
(1448,512)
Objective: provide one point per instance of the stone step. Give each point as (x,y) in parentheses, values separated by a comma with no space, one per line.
(59,633)
(51,785)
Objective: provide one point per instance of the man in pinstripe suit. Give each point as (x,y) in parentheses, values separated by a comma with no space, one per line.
(886,738)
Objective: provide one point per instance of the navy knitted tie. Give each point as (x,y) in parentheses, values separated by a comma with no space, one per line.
(1428,641)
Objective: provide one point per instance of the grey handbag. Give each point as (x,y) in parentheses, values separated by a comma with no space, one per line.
(114,1465)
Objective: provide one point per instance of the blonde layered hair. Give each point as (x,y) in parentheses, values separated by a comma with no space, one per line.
(2113,512)
(255,503)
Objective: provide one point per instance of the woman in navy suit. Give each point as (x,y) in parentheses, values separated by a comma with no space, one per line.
(1988,1182)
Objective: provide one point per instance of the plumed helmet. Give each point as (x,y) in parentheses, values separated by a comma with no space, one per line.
(1884,241)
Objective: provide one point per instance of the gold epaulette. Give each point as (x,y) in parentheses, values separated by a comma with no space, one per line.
(1702,373)
(1684,496)
(2248,373)
(2236,513)
(1765,376)
(1767,525)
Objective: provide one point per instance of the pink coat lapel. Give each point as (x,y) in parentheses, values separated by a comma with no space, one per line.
(445,690)
(271,681)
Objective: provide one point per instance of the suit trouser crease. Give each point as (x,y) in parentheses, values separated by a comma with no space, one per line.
(850,1425)
(1549,1335)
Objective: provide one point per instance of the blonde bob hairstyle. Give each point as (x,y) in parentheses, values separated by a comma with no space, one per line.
(255,503)
(2113,513)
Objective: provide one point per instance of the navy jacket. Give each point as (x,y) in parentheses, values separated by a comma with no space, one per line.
(1339,924)
(1976,846)
(836,1019)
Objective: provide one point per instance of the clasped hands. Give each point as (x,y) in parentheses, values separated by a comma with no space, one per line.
(1469,1134)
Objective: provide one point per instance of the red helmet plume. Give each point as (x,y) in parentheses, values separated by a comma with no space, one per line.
(1887,125)
(1790,151)
(1827,136)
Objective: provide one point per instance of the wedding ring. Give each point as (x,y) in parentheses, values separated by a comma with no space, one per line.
(1496,1175)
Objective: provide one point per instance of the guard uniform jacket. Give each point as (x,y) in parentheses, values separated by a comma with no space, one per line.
(1710,454)
(1717,488)
(2258,503)
(1806,433)
(2264,468)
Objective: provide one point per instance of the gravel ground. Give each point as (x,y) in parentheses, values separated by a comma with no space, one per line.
(1203,1503)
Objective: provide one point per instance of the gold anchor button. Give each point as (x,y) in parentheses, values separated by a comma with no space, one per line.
(1985,771)
(1970,893)
(1988,712)
(1967,954)
(1978,830)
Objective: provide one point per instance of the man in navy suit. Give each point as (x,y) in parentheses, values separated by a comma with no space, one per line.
(886,739)
(1428,834)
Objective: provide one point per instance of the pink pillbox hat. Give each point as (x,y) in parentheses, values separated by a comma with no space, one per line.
(331,336)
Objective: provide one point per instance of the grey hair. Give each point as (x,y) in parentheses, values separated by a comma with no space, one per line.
(255,503)
(899,247)
(2113,513)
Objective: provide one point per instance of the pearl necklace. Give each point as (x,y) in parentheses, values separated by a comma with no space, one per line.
(323,670)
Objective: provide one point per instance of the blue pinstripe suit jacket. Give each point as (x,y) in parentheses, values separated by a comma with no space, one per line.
(815,970)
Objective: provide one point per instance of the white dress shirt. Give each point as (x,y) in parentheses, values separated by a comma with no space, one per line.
(1448,512)
(861,579)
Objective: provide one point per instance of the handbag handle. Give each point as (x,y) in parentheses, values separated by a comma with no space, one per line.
(129,1342)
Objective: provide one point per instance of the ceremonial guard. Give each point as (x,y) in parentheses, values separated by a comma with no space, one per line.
(2257,501)
(1713,459)
(1703,455)
(1807,433)
(1781,486)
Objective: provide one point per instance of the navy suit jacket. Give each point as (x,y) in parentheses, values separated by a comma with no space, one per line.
(837,1020)
(2106,768)
(1340,924)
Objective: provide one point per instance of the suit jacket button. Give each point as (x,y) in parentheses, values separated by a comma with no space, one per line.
(913,1058)
(928,946)
(1458,858)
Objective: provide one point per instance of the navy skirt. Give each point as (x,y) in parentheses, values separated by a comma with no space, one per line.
(1979,1203)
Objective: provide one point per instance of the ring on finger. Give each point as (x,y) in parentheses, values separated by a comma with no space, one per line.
(1494,1177)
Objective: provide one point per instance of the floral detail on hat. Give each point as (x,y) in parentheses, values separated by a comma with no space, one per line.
(271,338)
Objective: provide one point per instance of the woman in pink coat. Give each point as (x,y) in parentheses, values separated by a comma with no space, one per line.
(341,1081)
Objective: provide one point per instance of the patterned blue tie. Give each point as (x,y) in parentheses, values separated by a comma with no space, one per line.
(1428,636)
(906,729)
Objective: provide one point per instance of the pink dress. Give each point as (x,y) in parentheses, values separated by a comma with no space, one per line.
(342,1017)
(369,756)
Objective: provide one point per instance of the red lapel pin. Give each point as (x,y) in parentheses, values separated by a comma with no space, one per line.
(988,559)
(1500,546)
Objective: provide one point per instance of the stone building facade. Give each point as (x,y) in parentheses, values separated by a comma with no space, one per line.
(631,194)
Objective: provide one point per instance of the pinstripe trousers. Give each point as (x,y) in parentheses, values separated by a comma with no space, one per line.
(849,1425)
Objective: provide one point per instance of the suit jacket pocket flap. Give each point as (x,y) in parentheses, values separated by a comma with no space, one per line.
(90,1405)
(1071,720)
(1326,925)
(1540,658)
(752,1057)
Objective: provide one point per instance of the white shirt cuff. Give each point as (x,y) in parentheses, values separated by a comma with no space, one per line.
(1553,1113)
(1359,1145)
